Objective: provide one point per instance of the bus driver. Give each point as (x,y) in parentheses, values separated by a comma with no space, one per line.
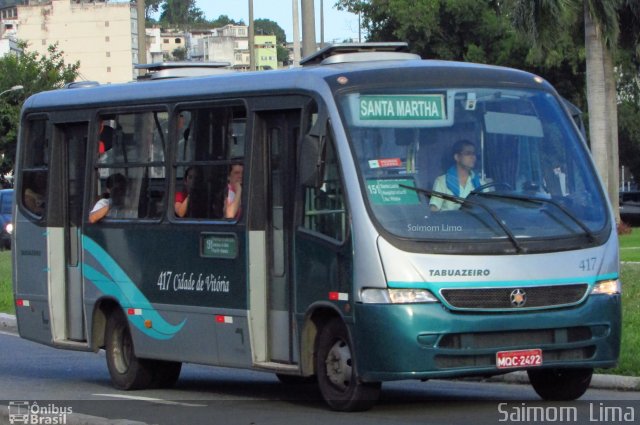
(459,180)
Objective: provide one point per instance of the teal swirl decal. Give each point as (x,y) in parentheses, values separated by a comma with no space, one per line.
(118,285)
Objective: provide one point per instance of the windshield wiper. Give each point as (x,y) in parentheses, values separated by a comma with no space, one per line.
(558,205)
(466,201)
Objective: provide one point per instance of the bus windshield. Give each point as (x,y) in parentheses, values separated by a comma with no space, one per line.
(480,164)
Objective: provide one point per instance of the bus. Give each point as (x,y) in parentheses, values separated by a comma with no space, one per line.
(361,252)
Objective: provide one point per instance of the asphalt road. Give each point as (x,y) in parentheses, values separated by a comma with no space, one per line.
(77,383)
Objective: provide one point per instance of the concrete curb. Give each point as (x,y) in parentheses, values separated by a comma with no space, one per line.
(599,381)
(72,419)
(8,323)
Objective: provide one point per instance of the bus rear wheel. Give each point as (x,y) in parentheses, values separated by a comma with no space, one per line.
(336,372)
(560,384)
(127,371)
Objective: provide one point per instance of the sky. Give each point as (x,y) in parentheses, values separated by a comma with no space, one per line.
(338,26)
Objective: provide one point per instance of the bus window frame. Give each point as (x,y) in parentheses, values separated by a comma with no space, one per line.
(172,162)
(26,125)
(94,166)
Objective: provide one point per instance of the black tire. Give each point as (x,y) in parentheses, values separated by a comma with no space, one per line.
(296,379)
(165,373)
(560,384)
(127,371)
(337,377)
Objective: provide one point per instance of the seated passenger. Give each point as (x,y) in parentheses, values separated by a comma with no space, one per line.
(184,199)
(112,202)
(232,207)
(459,180)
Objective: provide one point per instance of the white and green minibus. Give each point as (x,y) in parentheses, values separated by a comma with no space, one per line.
(359,254)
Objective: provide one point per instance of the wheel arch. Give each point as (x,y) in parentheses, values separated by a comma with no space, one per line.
(104,307)
(318,315)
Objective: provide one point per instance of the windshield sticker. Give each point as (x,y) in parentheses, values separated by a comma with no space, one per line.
(384,163)
(402,107)
(389,192)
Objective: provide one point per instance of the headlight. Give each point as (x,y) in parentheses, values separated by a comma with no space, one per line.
(607,287)
(397,296)
(9,228)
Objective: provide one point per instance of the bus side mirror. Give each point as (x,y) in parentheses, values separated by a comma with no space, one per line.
(311,164)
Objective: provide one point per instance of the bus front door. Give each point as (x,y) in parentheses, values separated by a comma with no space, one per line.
(279,131)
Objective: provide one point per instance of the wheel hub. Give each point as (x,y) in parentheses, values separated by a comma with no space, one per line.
(339,365)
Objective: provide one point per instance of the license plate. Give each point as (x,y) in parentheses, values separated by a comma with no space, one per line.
(519,358)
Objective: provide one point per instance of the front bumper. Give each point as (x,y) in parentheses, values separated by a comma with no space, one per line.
(421,341)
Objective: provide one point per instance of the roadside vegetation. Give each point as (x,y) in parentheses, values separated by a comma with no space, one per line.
(630,246)
(6,290)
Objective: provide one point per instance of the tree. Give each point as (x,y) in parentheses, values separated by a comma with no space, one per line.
(601,30)
(181,13)
(35,73)
(150,7)
(223,20)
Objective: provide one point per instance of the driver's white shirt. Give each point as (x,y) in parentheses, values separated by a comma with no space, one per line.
(440,185)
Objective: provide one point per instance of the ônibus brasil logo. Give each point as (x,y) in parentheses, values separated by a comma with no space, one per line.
(24,412)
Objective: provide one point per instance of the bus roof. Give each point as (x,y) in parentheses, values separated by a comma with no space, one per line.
(314,78)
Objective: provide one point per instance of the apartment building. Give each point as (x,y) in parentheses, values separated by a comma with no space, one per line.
(266,52)
(103,36)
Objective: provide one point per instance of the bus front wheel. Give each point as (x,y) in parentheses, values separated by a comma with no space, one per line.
(127,371)
(560,384)
(337,378)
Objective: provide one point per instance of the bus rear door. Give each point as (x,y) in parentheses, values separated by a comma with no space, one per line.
(47,275)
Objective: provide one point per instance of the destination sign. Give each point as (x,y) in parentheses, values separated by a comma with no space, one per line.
(389,192)
(402,107)
(219,246)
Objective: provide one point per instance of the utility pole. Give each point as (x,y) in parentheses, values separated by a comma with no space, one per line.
(308,28)
(142,33)
(252,43)
(321,23)
(296,33)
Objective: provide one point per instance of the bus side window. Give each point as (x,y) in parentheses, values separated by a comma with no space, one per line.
(209,143)
(35,169)
(324,207)
(136,149)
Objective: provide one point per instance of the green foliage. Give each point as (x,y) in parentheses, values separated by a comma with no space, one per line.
(35,73)
(7,304)
(268,27)
(179,54)
(629,363)
(181,13)
(224,20)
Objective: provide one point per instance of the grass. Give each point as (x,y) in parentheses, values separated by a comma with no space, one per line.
(629,363)
(630,246)
(6,289)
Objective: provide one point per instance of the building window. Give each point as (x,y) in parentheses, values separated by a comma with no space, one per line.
(106,23)
(108,69)
(108,54)
(177,41)
(107,39)
(165,41)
